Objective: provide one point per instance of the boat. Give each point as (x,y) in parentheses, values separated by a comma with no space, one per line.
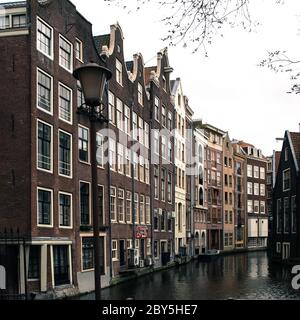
(209,255)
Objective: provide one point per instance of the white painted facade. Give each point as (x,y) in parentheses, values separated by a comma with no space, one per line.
(180,163)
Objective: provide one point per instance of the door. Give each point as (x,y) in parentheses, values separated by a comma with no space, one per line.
(122,253)
(61,265)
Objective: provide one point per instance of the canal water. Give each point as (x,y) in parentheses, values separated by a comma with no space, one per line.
(241,276)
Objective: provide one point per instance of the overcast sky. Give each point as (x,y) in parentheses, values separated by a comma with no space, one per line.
(227,89)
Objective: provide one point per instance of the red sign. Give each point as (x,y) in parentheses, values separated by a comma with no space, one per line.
(141,232)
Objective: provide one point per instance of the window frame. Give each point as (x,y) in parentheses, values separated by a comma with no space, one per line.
(90,203)
(39,70)
(71,210)
(88,151)
(51,56)
(37,147)
(61,37)
(60,84)
(71,154)
(51,225)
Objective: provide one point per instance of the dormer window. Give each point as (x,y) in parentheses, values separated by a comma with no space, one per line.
(19,21)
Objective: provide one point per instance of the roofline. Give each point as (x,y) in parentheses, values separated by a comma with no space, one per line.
(293,150)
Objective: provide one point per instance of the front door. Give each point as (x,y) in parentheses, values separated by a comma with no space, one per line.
(61,265)
(122,253)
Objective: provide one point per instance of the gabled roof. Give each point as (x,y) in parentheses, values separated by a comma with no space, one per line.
(294,140)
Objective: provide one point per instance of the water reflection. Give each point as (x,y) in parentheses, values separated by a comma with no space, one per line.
(243,276)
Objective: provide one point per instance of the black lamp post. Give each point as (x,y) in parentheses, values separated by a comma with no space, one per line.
(93,79)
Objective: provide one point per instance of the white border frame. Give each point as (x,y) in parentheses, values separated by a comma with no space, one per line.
(37,147)
(38,69)
(90,202)
(61,37)
(58,204)
(71,102)
(71,153)
(50,226)
(51,57)
(89,144)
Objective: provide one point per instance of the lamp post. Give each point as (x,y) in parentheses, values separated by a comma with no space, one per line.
(93,79)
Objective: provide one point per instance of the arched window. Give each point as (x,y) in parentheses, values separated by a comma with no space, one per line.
(201,197)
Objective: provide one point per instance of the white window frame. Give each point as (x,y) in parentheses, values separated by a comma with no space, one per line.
(262,190)
(119,72)
(262,205)
(112,108)
(71,155)
(89,143)
(283,173)
(37,91)
(262,173)
(248,188)
(256,204)
(50,226)
(278,247)
(77,41)
(37,148)
(256,172)
(249,171)
(116,203)
(127,119)
(250,208)
(60,84)
(140,95)
(256,189)
(71,210)
(61,37)
(156,108)
(114,248)
(51,56)
(119,109)
(124,206)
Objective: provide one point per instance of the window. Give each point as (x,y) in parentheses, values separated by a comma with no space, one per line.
(134,126)
(44,38)
(34,263)
(164,82)
(121,160)
(112,110)
(156,108)
(163,185)
(286,215)
(65,154)
(112,154)
(128,207)
(45,209)
(156,249)
(286,180)
(120,122)
(262,207)
(163,147)
(44,148)
(286,154)
(83,144)
(121,205)
(170,121)
(256,206)
(128,162)
(250,206)
(65,53)
(163,225)
(262,173)
(84,203)
(256,172)
(147,171)
(100,151)
(19,21)
(127,120)
(4,22)
(156,187)
(249,170)
(113,203)
(256,189)
(80,97)
(65,210)
(140,94)
(142,169)
(163,116)
(114,253)
(226,217)
(146,134)
(262,190)
(87,254)
(294,214)
(148,211)
(136,208)
(141,130)
(65,103)
(44,92)
(169,191)
(201,197)
(148,247)
(156,141)
(218,158)
(278,247)
(78,50)
(278,216)
(135,166)
(142,209)
(119,72)
(170,151)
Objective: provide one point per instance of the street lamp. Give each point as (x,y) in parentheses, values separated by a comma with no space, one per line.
(93,79)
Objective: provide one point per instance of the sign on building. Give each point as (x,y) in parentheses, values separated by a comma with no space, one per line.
(2,278)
